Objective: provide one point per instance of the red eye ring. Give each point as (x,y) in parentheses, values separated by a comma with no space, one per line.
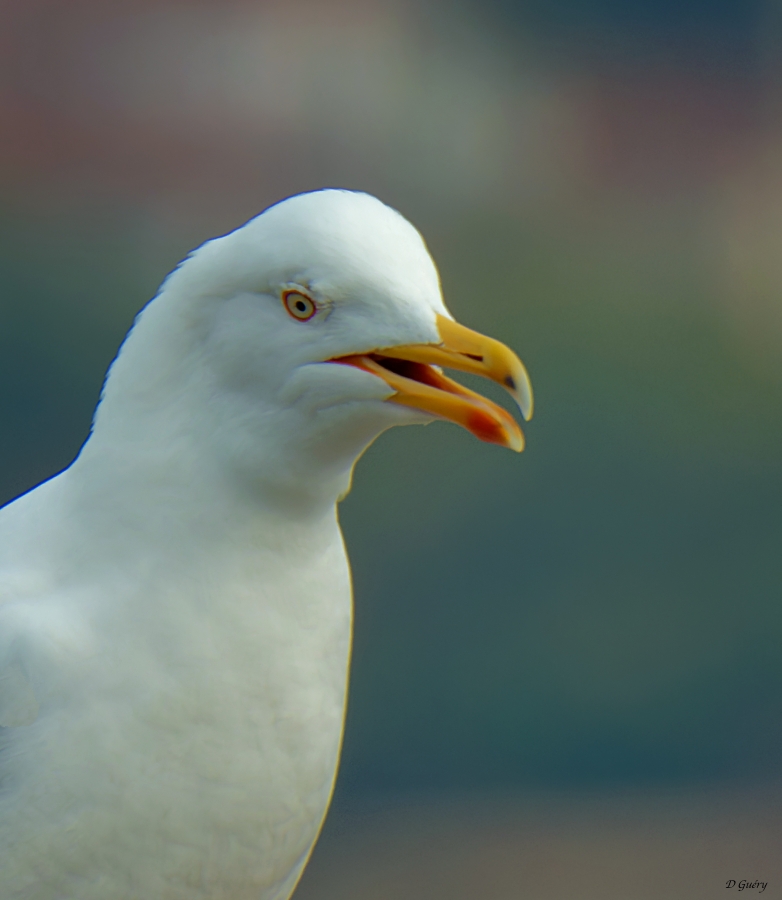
(298,305)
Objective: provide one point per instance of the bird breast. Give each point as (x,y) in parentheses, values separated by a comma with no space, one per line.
(190,745)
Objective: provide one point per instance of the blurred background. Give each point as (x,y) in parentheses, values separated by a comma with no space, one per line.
(567,680)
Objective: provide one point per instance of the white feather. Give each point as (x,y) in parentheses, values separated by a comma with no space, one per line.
(175,608)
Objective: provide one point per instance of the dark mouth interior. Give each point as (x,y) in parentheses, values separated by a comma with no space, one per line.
(414,370)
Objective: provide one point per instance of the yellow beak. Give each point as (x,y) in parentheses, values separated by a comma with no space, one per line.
(413,371)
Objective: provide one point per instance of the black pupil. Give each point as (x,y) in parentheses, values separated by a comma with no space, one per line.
(301,306)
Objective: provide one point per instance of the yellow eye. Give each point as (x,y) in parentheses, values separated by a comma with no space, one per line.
(299,305)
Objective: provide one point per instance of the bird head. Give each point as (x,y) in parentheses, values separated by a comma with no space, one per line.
(304,334)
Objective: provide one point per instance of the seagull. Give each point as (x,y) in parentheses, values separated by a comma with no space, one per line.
(175,607)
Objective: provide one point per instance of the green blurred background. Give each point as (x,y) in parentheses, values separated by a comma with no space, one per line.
(600,184)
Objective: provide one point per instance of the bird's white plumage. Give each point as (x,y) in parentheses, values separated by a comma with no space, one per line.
(175,609)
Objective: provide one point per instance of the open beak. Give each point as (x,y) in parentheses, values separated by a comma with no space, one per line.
(414,372)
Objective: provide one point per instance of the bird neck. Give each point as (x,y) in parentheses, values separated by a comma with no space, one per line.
(166,418)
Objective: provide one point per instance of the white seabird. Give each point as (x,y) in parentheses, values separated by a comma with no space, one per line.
(175,607)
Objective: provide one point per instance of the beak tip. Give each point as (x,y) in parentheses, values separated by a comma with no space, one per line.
(525,399)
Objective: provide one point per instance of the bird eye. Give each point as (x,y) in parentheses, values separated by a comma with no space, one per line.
(299,305)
